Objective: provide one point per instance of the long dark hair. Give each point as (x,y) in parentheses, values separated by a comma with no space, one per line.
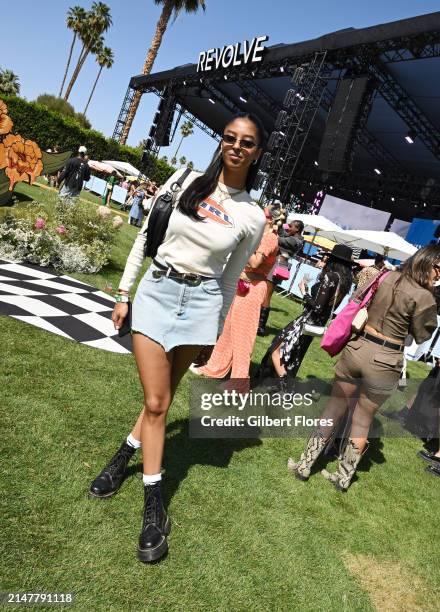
(343,269)
(419,266)
(205,184)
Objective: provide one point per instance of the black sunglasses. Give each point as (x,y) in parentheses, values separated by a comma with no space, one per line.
(243,143)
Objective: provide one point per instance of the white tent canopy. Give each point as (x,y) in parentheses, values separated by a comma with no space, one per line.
(389,244)
(314,223)
(123,167)
(101,167)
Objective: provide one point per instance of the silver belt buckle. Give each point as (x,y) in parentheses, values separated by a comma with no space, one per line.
(193,279)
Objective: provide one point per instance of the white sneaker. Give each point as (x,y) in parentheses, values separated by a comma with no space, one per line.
(195,369)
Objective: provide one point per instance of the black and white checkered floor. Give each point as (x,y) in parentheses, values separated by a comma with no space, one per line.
(61,305)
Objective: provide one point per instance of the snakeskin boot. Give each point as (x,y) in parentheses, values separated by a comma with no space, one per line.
(347,467)
(314,448)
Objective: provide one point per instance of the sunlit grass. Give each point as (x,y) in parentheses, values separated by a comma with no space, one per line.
(246,535)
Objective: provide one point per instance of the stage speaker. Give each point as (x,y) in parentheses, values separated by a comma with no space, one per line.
(342,122)
(164,120)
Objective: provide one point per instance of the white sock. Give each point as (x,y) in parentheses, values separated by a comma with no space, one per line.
(133,442)
(150,479)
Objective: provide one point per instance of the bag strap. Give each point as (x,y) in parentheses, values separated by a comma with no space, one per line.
(335,299)
(174,188)
(372,288)
(180,180)
(367,288)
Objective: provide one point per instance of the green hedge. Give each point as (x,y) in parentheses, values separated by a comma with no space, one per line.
(49,129)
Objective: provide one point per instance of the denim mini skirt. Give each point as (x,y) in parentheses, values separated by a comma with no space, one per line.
(173,312)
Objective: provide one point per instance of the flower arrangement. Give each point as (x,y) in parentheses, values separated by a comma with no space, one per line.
(70,237)
(21,159)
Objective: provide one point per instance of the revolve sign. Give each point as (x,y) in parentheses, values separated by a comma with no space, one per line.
(250,51)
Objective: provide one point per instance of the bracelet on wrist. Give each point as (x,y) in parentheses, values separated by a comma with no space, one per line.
(121,298)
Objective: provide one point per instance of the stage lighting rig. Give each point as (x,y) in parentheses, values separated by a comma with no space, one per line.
(274,140)
(410,137)
(265,162)
(298,75)
(289,98)
(281,120)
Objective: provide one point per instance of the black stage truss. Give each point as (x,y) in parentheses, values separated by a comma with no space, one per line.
(402,62)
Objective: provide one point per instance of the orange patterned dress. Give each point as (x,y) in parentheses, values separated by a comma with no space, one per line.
(233,350)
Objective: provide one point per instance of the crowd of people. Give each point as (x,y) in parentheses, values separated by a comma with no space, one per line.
(77,172)
(206,296)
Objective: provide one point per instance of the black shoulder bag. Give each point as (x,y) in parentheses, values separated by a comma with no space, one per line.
(160,215)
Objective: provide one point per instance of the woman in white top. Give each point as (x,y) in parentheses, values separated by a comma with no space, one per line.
(181,304)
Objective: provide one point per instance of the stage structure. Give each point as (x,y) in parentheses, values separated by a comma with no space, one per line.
(354,113)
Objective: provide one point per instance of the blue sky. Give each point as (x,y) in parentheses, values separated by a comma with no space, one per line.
(35,43)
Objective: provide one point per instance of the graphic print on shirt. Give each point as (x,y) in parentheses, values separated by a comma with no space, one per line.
(211,209)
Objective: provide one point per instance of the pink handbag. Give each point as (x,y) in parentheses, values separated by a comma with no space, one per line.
(281,272)
(243,287)
(339,331)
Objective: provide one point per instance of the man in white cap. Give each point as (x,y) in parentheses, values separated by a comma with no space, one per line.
(74,174)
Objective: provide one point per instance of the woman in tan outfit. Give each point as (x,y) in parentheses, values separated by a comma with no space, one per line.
(371,363)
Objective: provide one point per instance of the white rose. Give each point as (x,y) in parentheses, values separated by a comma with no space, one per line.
(118,221)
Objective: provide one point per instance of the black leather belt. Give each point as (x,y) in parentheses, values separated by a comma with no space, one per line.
(386,343)
(188,277)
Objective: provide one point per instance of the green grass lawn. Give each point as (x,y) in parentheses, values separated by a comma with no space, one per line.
(246,535)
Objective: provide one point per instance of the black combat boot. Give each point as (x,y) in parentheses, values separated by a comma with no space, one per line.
(156,526)
(110,479)
(264,315)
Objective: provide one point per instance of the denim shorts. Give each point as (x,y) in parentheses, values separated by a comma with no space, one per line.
(173,312)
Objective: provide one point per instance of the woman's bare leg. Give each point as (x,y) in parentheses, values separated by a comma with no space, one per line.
(270,289)
(136,431)
(180,366)
(337,405)
(160,373)
(276,360)
(363,416)
(154,367)
(334,410)
(184,356)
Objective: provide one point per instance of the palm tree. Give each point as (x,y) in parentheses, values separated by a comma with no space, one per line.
(186,129)
(74,21)
(182,161)
(169,7)
(190,165)
(9,83)
(173,161)
(97,21)
(105,59)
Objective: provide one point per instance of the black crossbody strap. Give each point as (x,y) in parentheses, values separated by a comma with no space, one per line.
(182,178)
(174,188)
(160,214)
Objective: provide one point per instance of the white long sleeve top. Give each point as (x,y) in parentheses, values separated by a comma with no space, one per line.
(217,247)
